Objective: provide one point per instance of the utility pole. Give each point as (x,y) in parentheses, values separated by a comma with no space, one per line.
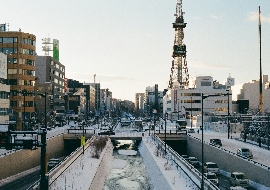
(261,102)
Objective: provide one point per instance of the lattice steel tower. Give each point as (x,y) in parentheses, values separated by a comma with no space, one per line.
(179,76)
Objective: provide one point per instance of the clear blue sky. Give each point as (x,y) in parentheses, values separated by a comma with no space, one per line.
(128,43)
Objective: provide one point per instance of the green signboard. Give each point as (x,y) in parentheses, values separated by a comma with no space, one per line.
(56,49)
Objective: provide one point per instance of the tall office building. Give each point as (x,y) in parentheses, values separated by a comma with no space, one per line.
(49,70)
(4,91)
(20,49)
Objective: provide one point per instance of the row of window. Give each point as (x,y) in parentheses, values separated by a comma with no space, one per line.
(57,66)
(3,95)
(21,71)
(9,40)
(3,111)
(21,82)
(21,104)
(15,50)
(22,61)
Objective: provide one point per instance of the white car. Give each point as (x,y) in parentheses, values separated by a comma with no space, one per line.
(239,179)
(245,152)
(211,167)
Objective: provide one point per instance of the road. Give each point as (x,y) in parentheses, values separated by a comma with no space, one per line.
(23,182)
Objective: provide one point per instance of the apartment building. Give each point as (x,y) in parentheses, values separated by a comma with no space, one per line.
(20,49)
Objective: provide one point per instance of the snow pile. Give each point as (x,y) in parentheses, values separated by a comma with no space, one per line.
(162,172)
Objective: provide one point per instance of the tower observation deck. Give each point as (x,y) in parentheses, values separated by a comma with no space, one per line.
(179,76)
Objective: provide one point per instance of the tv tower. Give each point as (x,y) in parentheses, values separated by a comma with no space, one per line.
(179,76)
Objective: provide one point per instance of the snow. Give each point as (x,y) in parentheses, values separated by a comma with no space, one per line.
(127,152)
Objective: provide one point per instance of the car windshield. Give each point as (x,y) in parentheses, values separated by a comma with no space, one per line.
(240,176)
(217,140)
(212,166)
(211,177)
(193,159)
(245,150)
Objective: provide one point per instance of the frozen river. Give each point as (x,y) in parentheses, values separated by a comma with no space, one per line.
(128,171)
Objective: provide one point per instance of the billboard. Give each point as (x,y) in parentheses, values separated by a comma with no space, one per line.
(3,66)
(56,49)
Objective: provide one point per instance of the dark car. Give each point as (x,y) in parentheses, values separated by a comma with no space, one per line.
(194,161)
(216,142)
(106,133)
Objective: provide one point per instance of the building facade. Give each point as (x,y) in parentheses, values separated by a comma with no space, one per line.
(250,91)
(48,70)
(20,49)
(217,99)
(4,92)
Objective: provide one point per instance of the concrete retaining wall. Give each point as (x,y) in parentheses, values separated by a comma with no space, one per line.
(228,161)
(21,160)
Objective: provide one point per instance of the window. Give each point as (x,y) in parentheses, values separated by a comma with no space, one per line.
(8,40)
(8,50)
(13,103)
(12,60)
(205,83)
(12,71)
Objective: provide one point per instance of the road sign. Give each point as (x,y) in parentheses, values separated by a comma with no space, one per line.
(82,141)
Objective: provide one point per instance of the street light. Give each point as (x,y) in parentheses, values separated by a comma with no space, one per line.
(228,94)
(191,112)
(166,115)
(43,181)
(202,172)
(178,107)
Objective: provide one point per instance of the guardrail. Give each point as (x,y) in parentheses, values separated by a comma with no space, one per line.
(180,162)
(64,164)
(234,154)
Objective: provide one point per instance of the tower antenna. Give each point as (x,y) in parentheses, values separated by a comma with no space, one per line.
(179,77)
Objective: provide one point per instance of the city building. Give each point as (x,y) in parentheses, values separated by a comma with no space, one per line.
(86,99)
(97,97)
(49,70)
(187,102)
(4,92)
(20,49)
(250,92)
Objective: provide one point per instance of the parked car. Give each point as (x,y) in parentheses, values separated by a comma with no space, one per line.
(213,178)
(211,167)
(239,179)
(194,161)
(244,152)
(237,188)
(191,130)
(216,142)
(185,156)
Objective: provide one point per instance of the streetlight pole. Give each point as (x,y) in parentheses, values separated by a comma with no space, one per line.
(228,94)
(202,172)
(166,115)
(191,112)
(43,180)
(24,91)
(178,107)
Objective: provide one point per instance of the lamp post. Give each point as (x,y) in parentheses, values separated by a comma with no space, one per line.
(166,115)
(191,112)
(228,94)
(202,172)
(43,180)
(178,107)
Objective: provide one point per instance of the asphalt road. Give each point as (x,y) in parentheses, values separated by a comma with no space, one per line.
(22,183)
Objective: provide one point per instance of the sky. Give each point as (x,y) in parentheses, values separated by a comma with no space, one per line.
(128,44)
